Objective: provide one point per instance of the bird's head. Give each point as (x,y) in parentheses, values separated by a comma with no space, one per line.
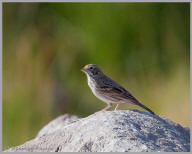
(91,70)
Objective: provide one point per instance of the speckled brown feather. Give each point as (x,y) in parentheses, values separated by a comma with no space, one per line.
(107,89)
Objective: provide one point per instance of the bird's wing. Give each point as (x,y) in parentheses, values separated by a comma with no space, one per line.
(111,89)
(120,94)
(117,92)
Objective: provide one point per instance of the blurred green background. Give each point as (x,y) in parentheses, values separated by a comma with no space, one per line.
(143,46)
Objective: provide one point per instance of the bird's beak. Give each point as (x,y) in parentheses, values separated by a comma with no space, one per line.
(83,70)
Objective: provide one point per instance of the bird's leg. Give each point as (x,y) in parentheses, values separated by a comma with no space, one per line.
(107,107)
(116,107)
(104,109)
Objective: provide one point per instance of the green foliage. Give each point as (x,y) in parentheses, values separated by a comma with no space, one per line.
(142,46)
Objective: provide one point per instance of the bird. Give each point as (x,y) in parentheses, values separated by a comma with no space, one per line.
(107,90)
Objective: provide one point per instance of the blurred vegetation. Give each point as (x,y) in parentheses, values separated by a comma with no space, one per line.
(143,46)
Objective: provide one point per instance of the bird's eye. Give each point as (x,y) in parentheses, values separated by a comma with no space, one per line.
(91,67)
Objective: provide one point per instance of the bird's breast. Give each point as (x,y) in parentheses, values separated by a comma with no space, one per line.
(92,84)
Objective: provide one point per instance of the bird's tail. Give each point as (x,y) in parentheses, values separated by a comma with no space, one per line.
(133,100)
(144,107)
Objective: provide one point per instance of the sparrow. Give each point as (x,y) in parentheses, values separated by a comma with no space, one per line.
(108,90)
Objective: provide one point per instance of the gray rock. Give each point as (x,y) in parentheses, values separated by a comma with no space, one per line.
(110,131)
(57,124)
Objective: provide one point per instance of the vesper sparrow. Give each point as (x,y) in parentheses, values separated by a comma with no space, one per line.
(108,90)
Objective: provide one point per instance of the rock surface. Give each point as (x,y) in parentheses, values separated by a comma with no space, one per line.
(110,131)
(57,124)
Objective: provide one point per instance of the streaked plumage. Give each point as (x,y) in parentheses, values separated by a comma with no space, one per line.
(108,90)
